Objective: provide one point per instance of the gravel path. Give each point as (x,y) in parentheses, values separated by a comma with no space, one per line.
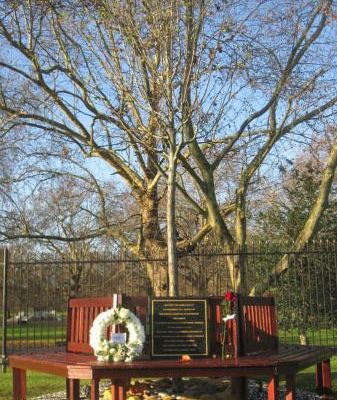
(190,389)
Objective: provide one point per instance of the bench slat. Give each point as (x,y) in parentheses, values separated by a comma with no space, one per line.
(257,324)
(81,314)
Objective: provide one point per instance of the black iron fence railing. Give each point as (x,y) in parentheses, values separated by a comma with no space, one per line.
(34,290)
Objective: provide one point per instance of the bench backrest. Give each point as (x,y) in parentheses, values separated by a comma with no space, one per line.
(81,314)
(257,330)
(253,331)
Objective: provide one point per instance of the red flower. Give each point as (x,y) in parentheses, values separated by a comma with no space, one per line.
(230,296)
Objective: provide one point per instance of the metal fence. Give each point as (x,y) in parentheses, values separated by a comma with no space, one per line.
(35,289)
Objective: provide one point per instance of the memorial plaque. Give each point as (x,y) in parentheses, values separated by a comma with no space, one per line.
(179,326)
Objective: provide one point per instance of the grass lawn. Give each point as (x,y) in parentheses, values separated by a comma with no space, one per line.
(39,384)
(32,336)
(23,332)
(306,378)
(317,336)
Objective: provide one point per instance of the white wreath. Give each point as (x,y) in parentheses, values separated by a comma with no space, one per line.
(106,350)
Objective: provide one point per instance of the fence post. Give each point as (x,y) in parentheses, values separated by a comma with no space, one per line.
(4,311)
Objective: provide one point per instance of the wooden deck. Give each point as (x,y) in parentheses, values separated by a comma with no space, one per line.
(74,367)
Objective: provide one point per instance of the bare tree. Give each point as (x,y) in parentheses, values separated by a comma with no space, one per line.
(220,84)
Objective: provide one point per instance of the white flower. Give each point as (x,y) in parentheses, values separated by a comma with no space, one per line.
(124,313)
(228,317)
(104,349)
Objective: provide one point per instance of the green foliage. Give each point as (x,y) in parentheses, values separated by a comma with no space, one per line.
(285,218)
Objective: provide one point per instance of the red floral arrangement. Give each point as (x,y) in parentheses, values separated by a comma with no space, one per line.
(230,296)
(227,314)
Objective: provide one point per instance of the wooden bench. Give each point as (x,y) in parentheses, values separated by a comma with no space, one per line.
(257,339)
(253,337)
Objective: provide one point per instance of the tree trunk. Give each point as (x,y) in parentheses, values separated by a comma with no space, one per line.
(75,283)
(235,258)
(172,261)
(241,238)
(153,245)
(156,278)
(152,235)
(236,261)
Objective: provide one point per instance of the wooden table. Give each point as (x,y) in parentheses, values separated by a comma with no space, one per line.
(74,367)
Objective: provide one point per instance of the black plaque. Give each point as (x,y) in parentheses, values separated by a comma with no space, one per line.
(179,326)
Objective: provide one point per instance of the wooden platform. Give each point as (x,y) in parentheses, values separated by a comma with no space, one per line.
(74,367)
